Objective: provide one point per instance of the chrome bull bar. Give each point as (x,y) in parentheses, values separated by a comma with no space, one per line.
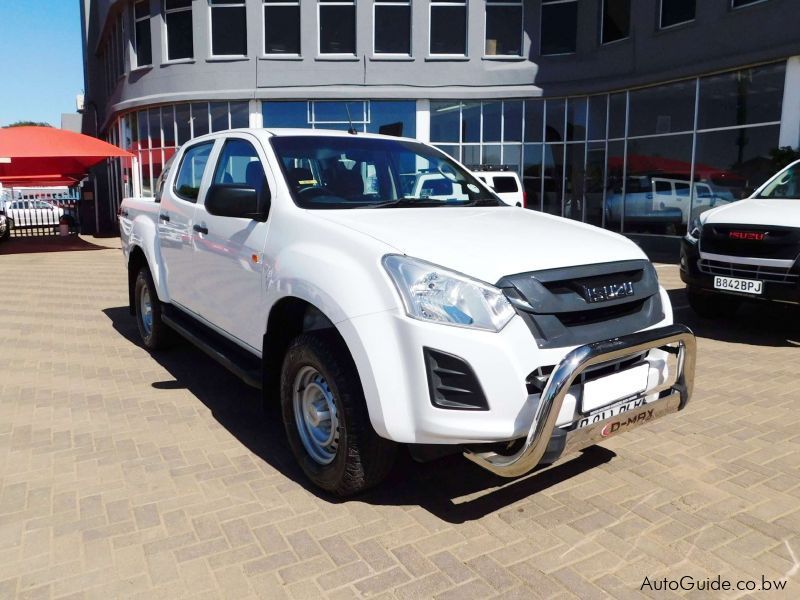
(675,339)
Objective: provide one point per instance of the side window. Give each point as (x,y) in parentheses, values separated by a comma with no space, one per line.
(190,175)
(505,184)
(663,188)
(682,189)
(239,164)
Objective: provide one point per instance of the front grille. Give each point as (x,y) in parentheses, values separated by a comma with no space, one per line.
(560,309)
(536,381)
(729,269)
(775,242)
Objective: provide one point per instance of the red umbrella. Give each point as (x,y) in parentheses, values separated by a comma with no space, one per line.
(37,155)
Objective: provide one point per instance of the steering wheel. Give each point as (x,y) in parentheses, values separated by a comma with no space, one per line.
(313,191)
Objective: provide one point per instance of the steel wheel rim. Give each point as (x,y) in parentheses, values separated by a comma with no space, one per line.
(315,415)
(146,311)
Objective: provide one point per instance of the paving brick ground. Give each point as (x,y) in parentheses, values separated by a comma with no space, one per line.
(126,474)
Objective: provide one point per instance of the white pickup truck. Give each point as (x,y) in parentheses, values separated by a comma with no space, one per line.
(746,250)
(303,261)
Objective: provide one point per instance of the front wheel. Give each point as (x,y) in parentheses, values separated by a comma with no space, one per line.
(326,420)
(709,306)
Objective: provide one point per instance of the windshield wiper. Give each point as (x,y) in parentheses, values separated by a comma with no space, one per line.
(410,202)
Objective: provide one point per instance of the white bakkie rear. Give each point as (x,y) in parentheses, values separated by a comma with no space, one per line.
(382,295)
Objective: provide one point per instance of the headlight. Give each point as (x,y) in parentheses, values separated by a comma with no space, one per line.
(695,228)
(433,293)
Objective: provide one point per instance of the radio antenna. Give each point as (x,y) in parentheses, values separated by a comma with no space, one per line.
(352,129)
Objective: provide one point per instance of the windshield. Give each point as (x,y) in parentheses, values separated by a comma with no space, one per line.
(785,185)
(360,172)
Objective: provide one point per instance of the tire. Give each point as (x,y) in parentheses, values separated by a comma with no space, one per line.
(709,306)
(9,227)
(347,457)
(155,334)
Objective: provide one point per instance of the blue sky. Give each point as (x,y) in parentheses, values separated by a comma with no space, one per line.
(41,65)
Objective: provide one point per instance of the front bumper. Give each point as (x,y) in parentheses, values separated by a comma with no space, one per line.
(786,290)
(673,396)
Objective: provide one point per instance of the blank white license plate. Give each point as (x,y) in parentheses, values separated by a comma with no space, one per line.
(608,389)
(733,284)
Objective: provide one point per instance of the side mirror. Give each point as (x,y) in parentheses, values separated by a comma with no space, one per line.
(238,201)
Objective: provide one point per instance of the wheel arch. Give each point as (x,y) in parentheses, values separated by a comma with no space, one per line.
(136,261)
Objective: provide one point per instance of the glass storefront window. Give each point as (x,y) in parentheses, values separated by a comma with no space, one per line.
(733,163)
(219,116)
(576,119)
(534,113)
(662,109)
(594,183)
(614,187)
(597,117)
(154,118)
(183,123)
(617,104)
(553,178)
(492,121)
(742,98)
(240,114)
(471,122)
(285,114)
(532,174)
(658,169)
(199,119)
(492,154)
(554,120)
(144,133)
(445,121)
(398,117)
(471,155)
(450,151)
(168,125)
(574,175)
(512,121)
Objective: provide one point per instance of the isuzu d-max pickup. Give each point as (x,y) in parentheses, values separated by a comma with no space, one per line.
(304,262)
(749,249)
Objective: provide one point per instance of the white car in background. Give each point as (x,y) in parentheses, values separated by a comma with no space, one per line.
(32,213)
(503,180)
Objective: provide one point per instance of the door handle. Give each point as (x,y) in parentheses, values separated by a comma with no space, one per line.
(201,229)
(163,217)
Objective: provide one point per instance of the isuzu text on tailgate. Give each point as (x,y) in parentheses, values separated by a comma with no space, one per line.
(383,295)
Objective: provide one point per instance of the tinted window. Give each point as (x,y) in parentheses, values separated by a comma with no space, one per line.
(337,27)
(228,28)
(178,17)
(448,27)
(281,27)
(785,185)
(143,49)
(676,11)
(190,175)
(503,184)
(503,28)
(559,27)
(616,20)
(392,27)
(663,188)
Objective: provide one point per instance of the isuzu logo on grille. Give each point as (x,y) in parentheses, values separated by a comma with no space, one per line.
(756,236)
(612,291)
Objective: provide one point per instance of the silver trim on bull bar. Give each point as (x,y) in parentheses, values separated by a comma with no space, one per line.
(677,339)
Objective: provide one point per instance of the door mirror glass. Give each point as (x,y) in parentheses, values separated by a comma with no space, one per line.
(237,201)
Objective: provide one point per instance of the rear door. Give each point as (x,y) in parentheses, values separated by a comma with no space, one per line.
(229,259)
(175,221)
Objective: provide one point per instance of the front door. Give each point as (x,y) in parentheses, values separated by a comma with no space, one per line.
(175,220)
(228,250)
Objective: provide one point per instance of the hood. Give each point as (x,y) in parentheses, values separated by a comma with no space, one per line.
(488,243)
(784,212)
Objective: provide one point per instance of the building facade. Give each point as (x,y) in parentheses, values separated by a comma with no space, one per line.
(631,115)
